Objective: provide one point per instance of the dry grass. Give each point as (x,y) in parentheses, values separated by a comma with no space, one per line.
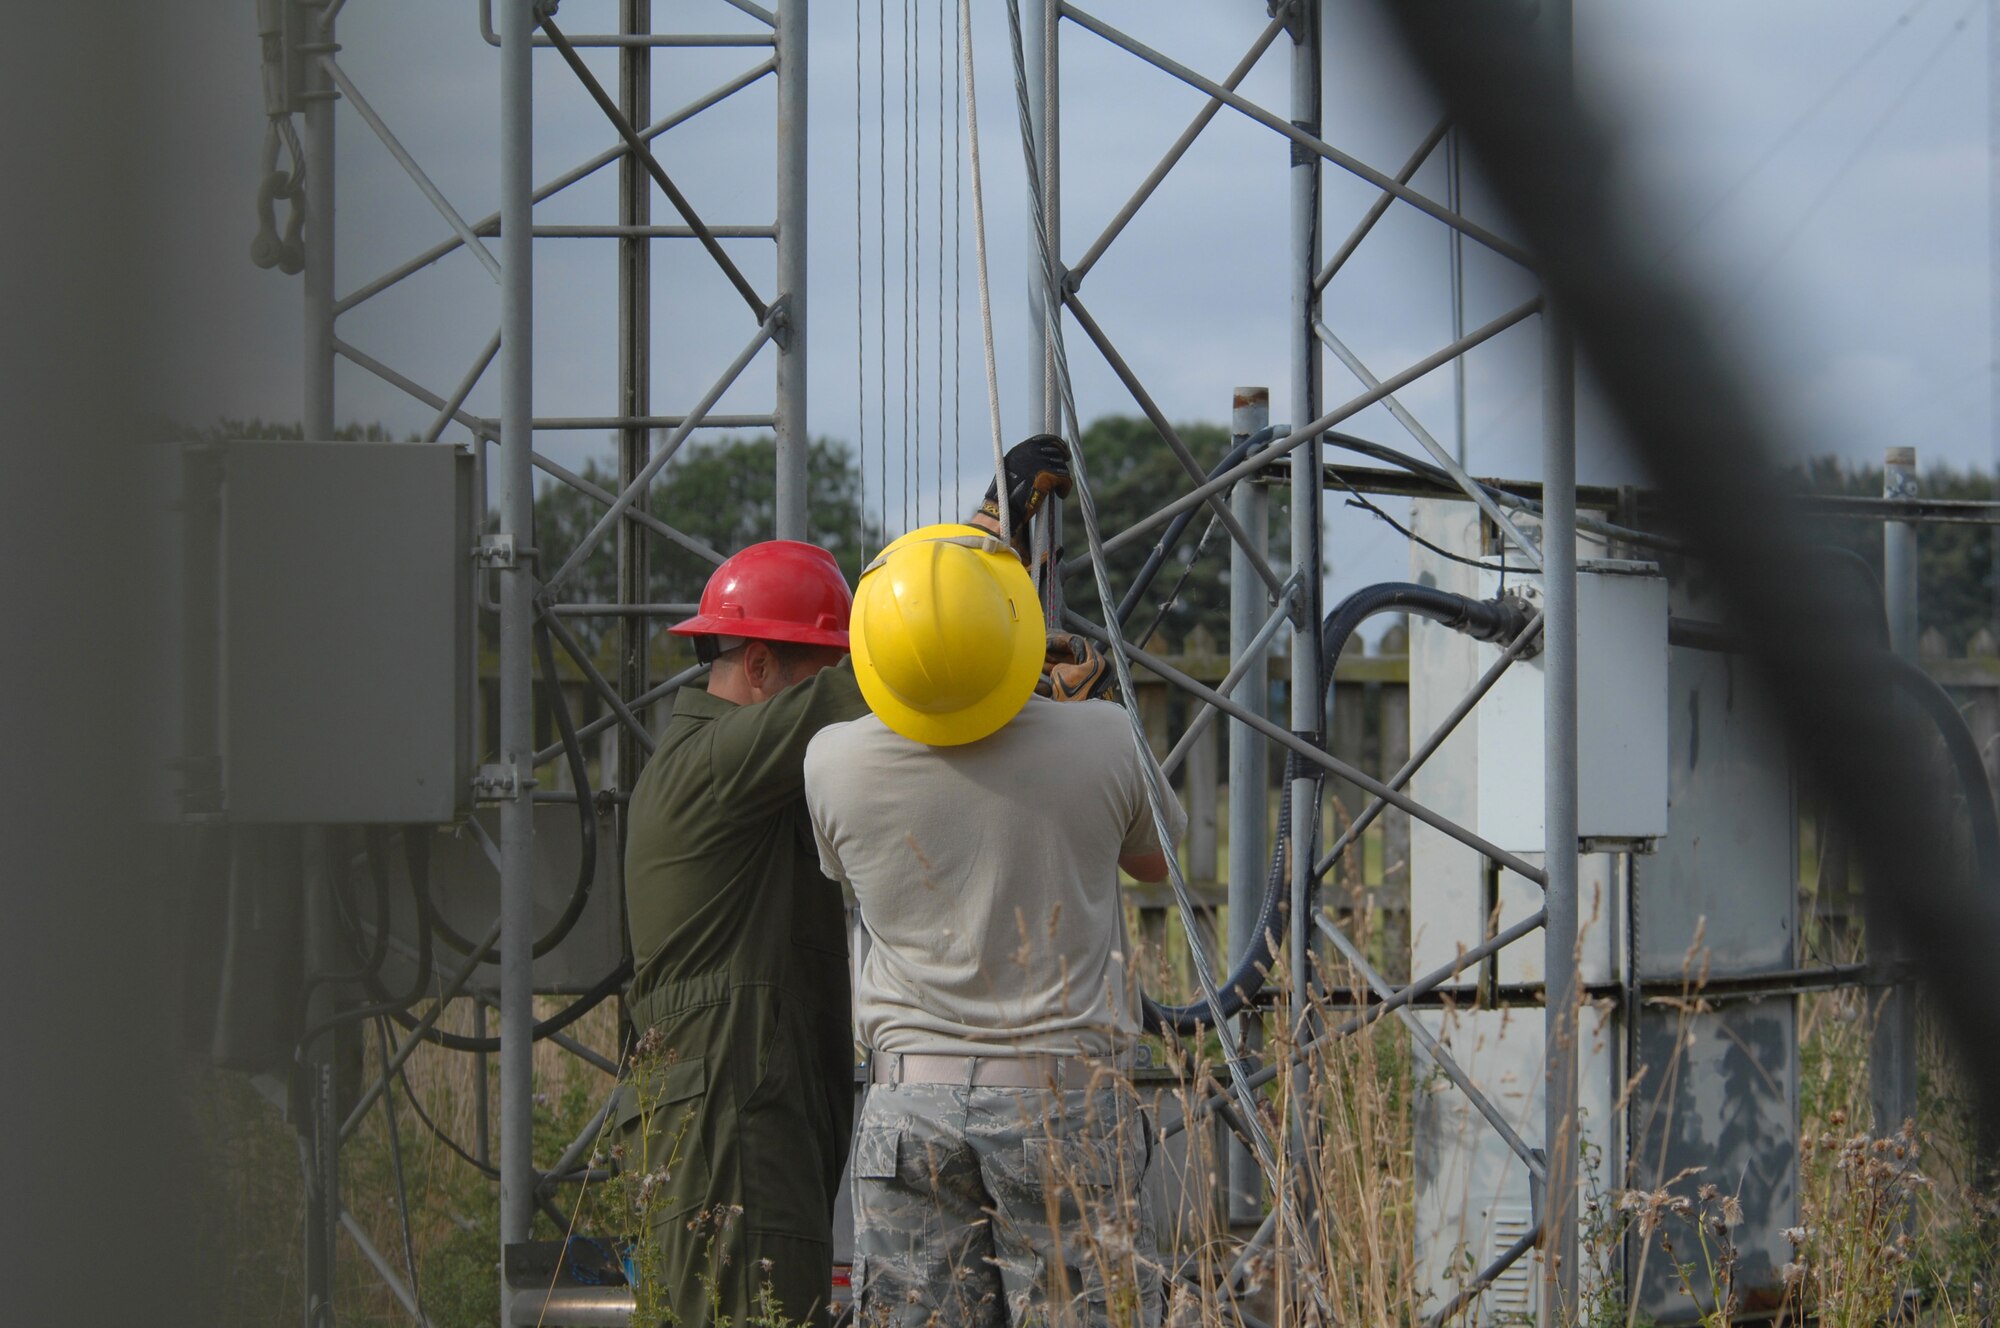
(1885,1226)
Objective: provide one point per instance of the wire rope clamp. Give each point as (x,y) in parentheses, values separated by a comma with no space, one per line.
(497,552)
(500,781)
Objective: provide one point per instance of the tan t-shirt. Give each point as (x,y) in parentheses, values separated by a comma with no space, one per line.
(987,878)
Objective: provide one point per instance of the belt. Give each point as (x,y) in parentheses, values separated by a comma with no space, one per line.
(1038,1071)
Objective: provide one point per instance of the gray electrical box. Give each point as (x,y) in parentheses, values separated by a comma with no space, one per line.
(1621,713)
(343,660)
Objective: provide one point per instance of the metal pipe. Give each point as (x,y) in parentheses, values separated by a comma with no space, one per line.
(451,407)
(424,1024)
(317,416)
(626,231)
(1286,738)
(1311,142)
(1487,1277)
(489,224)
(1515,649)
(1254,550)
(516,515)
(635,359)
(590,1056)
(1366,225)
(596,678)
(1443,1059)
(792,431)
(1253,656)
(403,158)
(397,379)
(1430,981)
(1174,154)
(635,514)
(1308,696)
(1892,1063)
(659,459)
(637,40)
(1559,745)
(383,1268)
(1472,488)
(637,146)
(1249,791)
(651,696)
(623,610)
(582,423)
(1307,433)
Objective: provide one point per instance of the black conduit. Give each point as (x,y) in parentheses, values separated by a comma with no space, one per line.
(1483,620)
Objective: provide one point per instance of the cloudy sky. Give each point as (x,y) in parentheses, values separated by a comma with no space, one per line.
(1820,170)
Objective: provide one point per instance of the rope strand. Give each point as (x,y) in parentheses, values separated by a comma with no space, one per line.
(860,323)
(971,90)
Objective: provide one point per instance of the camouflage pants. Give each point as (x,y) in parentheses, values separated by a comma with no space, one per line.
(1003,1206)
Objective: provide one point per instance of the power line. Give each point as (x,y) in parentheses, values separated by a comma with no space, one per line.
(1860,150)
(1777,145)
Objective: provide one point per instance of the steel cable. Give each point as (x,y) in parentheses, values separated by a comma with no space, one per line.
(860,336)
(971,88)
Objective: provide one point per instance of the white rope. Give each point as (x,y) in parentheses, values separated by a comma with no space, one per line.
(943,507)
(971,88)
(957,274)
(860,337)
(903,215)
(882,245)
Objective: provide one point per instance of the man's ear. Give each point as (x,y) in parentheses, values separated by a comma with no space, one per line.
(760,666)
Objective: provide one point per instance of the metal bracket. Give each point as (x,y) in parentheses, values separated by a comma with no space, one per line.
(497,551)
(1298,607)
(500,782)
(780,318)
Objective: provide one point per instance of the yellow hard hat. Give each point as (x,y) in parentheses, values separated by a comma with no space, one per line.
(947,635)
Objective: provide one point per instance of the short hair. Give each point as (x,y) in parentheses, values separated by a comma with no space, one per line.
(790,655)
(795,655)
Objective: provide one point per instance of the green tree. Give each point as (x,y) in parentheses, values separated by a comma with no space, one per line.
(721,493)
(1133,473)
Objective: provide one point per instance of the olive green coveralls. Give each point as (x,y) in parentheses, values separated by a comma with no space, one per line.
(740,948)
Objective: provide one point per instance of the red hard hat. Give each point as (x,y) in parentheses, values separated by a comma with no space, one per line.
(780,590)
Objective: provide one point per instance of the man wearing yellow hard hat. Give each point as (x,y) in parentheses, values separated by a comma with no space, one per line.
(981,829)
(740,945)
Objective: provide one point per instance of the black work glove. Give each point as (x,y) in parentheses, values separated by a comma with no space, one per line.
(1035,468)
(1074,669)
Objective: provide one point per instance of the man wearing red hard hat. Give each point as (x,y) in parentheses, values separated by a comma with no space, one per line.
(739,942)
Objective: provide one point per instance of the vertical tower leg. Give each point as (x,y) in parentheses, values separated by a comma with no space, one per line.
(1307,700)
(1892,1055)
(635,358)
(1249,793)
(790,305)
(515,513)
(322,1221)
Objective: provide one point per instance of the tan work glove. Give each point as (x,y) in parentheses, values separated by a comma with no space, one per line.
(1074,669)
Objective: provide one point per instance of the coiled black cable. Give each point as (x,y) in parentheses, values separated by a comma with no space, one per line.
(417,852)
